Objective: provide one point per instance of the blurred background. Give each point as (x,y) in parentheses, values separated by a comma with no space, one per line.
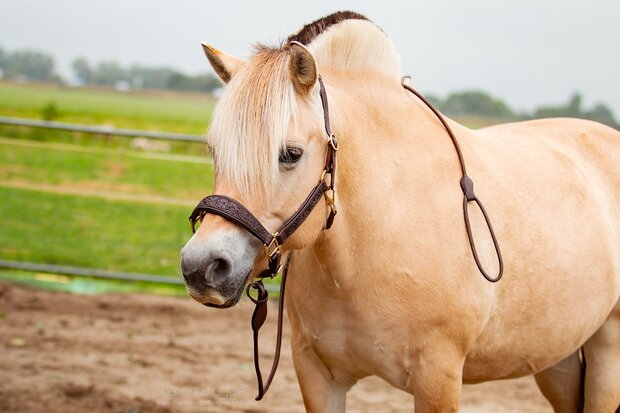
(103,105)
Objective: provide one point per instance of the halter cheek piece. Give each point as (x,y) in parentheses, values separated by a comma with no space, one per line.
(233,211)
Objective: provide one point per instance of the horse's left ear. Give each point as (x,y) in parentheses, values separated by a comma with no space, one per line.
(302,68)
(224,65)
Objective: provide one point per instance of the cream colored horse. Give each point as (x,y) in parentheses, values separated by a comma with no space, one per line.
(392,289)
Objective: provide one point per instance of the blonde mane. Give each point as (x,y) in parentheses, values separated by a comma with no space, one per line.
(252,118)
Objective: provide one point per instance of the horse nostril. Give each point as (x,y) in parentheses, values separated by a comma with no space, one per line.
(218,269)
(210,270)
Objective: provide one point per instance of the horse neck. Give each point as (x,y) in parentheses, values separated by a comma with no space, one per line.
(389,140)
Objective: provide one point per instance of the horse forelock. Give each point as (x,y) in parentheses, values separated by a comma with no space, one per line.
(251,121)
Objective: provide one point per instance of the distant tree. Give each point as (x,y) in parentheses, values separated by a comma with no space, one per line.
(82,70)
(199,83)
(28,64)
(149,78)
(3,60)
(142,77)
(476,103)
(435,101)
(601,113)
(571,109)
(108,73)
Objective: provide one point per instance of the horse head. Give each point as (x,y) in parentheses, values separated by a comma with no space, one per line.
(268,142)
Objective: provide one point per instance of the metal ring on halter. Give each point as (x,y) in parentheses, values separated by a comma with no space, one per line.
(193,222)
(333,141)
(262,292)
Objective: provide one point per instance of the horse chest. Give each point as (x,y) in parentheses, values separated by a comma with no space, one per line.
(346,345)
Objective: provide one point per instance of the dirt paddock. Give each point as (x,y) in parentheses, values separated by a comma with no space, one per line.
(141,353)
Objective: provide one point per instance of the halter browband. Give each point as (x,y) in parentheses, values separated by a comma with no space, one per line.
(233,211)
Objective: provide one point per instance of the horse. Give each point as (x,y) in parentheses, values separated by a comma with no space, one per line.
(392,289)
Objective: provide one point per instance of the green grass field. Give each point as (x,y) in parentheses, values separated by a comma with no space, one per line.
(92,201)
(151,110)
(92,232)
(77,168)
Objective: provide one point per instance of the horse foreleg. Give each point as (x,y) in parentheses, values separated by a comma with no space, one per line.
(321,392)
(562,385)
(602,352)
(437,375)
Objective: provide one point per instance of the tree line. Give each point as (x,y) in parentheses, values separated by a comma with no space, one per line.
(30,65)
(480,104)
(141,77)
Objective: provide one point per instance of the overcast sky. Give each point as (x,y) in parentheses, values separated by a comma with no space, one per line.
(528,52)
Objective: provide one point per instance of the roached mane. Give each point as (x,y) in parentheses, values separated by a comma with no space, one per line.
(259,104)
(311,30)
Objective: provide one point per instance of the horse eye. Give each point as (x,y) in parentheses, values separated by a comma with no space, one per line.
(290,155)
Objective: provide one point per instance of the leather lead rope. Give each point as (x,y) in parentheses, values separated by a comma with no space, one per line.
(467,186)
(258,319)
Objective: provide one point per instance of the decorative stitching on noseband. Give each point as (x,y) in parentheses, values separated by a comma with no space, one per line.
(233,211)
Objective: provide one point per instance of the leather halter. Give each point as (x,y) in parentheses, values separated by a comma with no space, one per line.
(234,211)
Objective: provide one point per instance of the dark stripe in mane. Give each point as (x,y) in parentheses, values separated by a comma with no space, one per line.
(312,30)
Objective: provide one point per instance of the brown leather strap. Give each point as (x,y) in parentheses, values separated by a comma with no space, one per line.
(325,105)
(233,211)
(236,212)
(258,319)
(330,158)
(298,218)
(467,186)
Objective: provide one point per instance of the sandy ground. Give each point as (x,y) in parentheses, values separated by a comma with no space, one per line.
(139,353)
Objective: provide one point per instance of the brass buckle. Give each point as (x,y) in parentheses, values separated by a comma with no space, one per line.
(331,200)
(330,185)
(274,246)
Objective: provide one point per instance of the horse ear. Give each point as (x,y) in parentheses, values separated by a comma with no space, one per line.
(225,66)
(302,68)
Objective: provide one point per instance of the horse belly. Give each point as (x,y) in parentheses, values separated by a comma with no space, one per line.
(562,281)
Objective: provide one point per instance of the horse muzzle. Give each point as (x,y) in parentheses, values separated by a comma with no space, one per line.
(216,268)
